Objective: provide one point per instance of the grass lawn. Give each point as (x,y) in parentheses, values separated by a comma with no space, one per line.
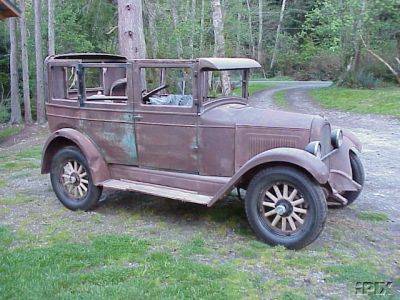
(255,87)
(385,101)
(280,99)
(9,131)
(135,246)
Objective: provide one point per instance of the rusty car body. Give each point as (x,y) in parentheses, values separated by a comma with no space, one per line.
(132,136)
(8,9)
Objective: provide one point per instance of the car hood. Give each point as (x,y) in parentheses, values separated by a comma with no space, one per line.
(244,115)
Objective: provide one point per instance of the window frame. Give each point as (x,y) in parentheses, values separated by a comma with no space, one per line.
(165,64)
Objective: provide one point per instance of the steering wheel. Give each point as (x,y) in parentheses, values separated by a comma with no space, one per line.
(155,91)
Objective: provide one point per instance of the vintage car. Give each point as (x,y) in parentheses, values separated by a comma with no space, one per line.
(165,128)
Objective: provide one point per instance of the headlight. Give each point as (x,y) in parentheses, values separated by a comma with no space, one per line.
(337,138)
(315,149)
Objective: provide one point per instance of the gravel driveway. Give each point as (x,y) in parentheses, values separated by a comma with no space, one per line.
(380,136)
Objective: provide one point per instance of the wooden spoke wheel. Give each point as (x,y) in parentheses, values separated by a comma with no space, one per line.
(74,178)
(284,208)
(72,181)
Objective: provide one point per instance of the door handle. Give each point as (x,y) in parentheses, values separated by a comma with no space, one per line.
(137,117)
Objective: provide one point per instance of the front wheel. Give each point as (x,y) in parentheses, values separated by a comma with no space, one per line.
(358,172)
(285,207)
(71,180)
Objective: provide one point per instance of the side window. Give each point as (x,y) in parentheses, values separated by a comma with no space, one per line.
(107,84)
(167,86)
(219,84)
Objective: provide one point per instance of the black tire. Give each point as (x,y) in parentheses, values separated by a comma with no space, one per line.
(357,169)
(93,193)
(313,196)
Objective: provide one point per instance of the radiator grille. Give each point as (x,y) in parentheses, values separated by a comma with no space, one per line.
(260,144)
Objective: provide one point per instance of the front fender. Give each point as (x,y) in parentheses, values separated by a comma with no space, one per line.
(300,158)
(67,136)
(341,175)
(356,143)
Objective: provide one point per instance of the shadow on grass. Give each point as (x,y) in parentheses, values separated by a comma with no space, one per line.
(228,212)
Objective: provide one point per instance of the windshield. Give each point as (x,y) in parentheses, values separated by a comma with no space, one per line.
(225,84)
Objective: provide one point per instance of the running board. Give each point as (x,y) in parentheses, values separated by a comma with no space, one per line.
(157,190)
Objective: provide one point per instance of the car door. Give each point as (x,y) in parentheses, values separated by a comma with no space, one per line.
(166,120)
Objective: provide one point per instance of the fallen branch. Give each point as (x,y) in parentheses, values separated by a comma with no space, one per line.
(394,72)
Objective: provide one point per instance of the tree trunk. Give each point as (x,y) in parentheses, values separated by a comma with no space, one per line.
(175,21)
(202,28)
(219,45)
(260,31)
(51,25)
(152,17)
(40,110)
(130,29)
(278,32)
(357,41)
(193,20)
(250,20)
(391,69)
(15,105)
(25,66)
(238,41)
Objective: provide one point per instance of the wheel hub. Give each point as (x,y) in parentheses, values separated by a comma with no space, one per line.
(284,208)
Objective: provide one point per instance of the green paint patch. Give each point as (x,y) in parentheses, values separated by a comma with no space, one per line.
(9,131)
(385,101)
(280,99)
(373,216)
(15,199)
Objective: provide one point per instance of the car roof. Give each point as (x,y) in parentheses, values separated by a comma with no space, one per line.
(92,57)
(205,63)
(223,63)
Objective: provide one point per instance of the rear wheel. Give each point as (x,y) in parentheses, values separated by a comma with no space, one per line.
(285,207)
(72,181)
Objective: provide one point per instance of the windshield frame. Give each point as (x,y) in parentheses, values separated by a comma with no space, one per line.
(204,87)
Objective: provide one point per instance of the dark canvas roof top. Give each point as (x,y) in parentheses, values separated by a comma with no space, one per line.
(8,9)
(91,56)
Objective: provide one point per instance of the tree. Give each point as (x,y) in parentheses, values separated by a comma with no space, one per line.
(130,29)
(250,20)
(15,106)
(25,66)
(175,21)
(378,57)
(152,16)
(260,31)
(40,110)
(219,42)
(51,25)
(278,32)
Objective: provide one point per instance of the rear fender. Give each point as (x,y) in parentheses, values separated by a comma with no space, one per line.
(296,157)
(68,136)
